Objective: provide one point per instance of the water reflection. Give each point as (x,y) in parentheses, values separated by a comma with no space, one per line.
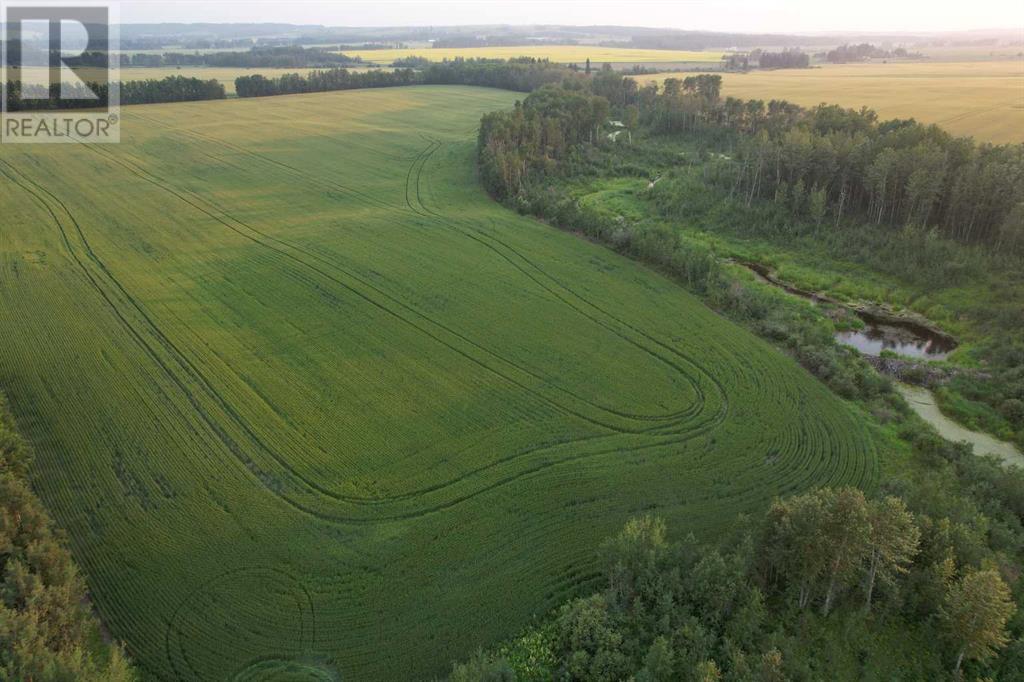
(873,339)
(906,338)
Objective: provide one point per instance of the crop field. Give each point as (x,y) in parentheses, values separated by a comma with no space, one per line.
(983,99)
(563,54)
(311,406)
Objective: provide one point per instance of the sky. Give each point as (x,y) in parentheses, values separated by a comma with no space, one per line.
(749,16)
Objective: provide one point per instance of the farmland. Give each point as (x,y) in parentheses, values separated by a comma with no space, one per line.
(564,54)
(307,401)
(983,99)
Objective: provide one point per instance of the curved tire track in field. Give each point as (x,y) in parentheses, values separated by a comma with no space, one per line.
(485,238)
(420,209)
(418,162)
(191,198)
(174,635)
(236,449)
(36,191)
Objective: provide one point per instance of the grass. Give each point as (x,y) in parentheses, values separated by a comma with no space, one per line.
(565,54)
(984,100)
(310,405)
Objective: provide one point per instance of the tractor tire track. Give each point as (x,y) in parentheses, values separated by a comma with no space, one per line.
(319,489)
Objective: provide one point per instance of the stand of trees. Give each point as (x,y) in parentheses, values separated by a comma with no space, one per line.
(321,81)
(787,59)
(814,589)
(518,148)
(412,62)
(500,41)
(47,631)
(170,89)
(858,53)
(523,75)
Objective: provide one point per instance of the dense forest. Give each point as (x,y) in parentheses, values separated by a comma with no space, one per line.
(47,630)
(825,159)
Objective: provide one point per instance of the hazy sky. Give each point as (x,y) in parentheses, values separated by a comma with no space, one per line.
(736,15)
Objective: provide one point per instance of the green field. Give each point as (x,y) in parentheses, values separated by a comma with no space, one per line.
(310,405)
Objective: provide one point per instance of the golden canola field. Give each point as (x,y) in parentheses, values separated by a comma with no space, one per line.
(982,99)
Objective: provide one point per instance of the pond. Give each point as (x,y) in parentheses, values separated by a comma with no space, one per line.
(880,333)
(909,340)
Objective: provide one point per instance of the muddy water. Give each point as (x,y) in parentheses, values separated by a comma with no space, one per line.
(923,403)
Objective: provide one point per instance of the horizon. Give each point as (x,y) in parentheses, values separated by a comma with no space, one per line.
(794,17)
(649,27)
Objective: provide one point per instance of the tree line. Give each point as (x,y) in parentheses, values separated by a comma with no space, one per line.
(47,630)
(790,58)
(285,57)
(858,53)
(522,75)
(169,89)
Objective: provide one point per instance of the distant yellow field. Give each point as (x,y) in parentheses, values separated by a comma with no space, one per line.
(982,99)
(556,53)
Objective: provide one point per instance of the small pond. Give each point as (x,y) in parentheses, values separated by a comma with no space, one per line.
(903,337)
(909,340)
